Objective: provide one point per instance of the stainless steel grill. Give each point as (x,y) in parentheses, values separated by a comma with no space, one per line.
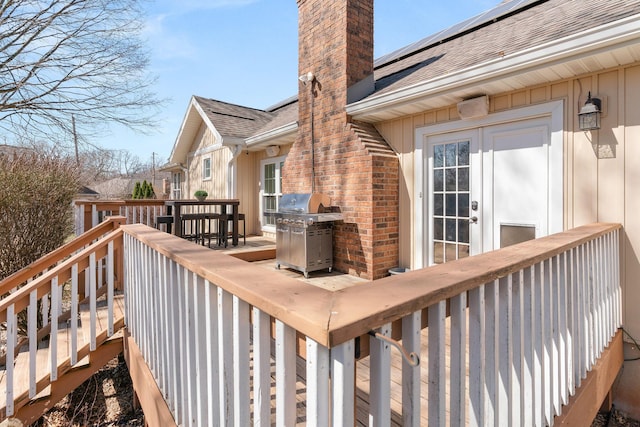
(304,232)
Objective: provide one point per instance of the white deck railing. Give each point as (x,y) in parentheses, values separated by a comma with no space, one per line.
(527,322)
(81,273)
(90,213)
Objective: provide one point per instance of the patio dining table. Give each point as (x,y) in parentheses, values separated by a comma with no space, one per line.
(175,208)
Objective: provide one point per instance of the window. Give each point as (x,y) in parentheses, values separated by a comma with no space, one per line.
(176,186)
(206,168)
(271,189)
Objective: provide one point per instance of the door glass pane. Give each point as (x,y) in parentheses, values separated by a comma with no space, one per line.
(438,252)
(450,155)
(450,179)
(438,204)
(451,252)
(463,231)
(438,180)
(463,153)
(463,205)
(450,230)
(451,201)
(463,179)
(438,156)
(438,229)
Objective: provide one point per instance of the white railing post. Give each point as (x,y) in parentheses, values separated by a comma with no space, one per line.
(32,313)
(241,334)
(213,347)
(437,379)
(225,352)
(318,367)
(477,358)
(411,329)
(53,337)
(380,377)
(11,351)
(504,355)
(285,375)
(262,369)
(343,384)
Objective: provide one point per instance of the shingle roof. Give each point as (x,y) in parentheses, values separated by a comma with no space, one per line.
(234,120)
(531,27)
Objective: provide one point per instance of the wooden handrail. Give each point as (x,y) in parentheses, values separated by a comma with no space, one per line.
(63,271)
(332,318)
(54,257)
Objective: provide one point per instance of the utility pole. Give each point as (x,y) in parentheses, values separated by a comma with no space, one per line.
(153,167)
(75,139)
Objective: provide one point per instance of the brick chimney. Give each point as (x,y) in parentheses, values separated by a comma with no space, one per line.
(348,161)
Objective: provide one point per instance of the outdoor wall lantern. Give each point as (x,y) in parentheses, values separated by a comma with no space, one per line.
(589,116)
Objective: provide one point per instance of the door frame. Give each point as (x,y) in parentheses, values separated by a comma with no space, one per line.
(554,110)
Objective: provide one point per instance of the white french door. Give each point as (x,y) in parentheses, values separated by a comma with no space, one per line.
(452,180)
(488,187)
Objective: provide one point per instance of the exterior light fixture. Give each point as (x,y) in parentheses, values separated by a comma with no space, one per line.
(589,116)
(308,77)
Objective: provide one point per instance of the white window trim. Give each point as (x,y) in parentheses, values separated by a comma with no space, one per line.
(277,160)
(206,178)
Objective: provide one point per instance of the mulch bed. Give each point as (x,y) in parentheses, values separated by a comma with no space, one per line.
(105,400)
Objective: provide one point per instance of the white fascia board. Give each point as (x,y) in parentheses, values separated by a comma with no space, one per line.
(183,135)
(267,137)
(605,37)
(205,119)
(181,132)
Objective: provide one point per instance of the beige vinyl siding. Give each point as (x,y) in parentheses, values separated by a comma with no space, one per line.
(247,190)
(203,147)
(601,168)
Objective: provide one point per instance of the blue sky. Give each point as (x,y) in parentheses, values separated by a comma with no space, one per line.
(245,52)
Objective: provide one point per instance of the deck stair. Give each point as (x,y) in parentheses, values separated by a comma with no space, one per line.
(72,369)
(62,318)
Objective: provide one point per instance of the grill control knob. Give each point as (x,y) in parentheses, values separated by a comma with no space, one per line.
(310,221)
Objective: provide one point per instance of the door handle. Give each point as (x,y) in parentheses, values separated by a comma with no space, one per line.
(473,220)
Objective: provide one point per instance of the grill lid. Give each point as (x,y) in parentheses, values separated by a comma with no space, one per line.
(304,203)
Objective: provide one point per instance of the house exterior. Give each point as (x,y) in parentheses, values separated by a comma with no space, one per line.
(461,143)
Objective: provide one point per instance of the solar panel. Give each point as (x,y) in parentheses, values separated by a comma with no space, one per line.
(502,9)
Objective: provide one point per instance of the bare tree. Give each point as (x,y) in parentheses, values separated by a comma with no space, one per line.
(84,58)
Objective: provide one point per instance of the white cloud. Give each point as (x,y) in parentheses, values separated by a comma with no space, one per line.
(165,43)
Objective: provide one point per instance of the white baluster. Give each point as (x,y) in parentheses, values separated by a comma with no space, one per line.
(411,341)
(318,367)
(285,375)
(32,326)
(213,355)
(458,360)
(11,351)
(380,377)
(241,352)
(343,384)
(53,337)
(477,355)
(225,336)
(74,314)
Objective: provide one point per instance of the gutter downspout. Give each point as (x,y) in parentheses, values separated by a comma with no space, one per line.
(231,168)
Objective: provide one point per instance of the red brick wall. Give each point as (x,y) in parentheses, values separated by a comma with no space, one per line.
(336,44)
